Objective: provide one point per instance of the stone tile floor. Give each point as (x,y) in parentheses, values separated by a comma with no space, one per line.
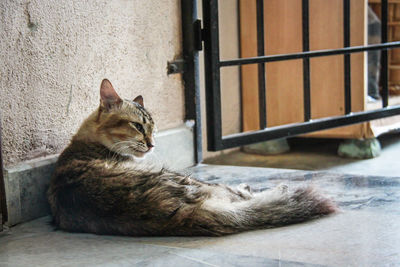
(321,154)
(365,233)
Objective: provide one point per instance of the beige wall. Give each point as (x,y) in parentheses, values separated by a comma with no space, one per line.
(54,55)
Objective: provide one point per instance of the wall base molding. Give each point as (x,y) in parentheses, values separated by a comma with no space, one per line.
(26,183)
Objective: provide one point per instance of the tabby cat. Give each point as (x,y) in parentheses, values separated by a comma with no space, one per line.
(100,187)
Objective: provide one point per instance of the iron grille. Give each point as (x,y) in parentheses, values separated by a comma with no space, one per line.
(213,64)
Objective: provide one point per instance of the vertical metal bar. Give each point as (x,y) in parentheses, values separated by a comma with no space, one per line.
(347,57)
(384,58)
(306,61)
(212,74)
(191,74)
(3,206)
(239,21)
(261,66)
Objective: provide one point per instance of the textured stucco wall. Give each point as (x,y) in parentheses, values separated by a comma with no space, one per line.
(54,55)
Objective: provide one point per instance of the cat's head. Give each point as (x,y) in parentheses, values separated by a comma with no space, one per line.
(124,126)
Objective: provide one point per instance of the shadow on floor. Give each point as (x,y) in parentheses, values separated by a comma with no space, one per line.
(321,154)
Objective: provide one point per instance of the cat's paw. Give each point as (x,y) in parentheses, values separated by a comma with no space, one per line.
(244,190)
(244,187)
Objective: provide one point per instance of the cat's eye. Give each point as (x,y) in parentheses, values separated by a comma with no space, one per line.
(138,126)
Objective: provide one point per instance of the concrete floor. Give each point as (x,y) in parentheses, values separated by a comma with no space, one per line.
(321,154)
(365,233)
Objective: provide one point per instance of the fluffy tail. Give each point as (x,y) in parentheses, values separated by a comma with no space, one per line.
(277,207)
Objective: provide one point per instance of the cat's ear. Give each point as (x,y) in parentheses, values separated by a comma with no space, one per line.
(108,97)
(139,100)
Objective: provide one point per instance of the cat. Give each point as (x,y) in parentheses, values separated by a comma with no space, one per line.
(99,186)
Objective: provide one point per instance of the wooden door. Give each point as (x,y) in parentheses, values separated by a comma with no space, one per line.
(284,80)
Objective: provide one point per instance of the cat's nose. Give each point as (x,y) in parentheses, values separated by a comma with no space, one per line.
(150,145)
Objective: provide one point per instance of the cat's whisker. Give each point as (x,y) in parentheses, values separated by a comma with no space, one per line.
(119,148)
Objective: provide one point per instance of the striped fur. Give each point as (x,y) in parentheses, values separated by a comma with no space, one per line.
(98,187)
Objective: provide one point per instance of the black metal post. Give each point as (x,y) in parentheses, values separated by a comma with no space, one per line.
(240,68)
(191,73)
(212,74)
(384,58)
(3,205)
(306,61)
(347,57)
(261,66)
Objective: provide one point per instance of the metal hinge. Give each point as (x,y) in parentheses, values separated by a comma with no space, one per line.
(176,66)
(198,35)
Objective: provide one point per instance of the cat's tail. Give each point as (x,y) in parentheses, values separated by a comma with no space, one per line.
(268,209)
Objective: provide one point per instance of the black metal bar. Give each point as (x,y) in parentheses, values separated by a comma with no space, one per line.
(212,74)
(198,35)
(240,68)
(347,57)
(261,66)
(306,61)
(309,54)
(3,205)
(384,58)
(246,138)
(191,73)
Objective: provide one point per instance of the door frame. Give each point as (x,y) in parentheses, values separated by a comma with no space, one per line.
(3,205)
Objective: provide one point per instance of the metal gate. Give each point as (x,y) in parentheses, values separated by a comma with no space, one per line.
(213,64)
(3,210)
